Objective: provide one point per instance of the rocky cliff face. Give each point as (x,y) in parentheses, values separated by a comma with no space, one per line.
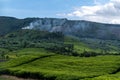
(78,28)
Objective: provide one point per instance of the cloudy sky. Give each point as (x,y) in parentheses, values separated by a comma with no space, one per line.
(105,11)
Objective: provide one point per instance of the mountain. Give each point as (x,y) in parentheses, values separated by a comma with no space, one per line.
(11,24)
(76,28)
(51,48)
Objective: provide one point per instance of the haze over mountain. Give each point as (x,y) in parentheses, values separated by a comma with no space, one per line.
(77,28)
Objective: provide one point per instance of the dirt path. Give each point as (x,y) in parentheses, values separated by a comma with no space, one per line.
(7,77)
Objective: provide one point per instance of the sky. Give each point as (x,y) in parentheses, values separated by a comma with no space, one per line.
(105,11)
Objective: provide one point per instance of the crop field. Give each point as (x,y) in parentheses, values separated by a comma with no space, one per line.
(39,64)
(106,77)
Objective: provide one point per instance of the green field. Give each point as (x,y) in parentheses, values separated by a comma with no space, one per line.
(38,63)
(83,54)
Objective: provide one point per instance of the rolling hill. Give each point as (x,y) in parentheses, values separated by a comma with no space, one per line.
(38,64)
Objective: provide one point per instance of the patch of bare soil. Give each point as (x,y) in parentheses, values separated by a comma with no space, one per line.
(7,77)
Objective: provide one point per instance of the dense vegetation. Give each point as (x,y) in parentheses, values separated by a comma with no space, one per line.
(54,56)
(38,63)
(53,42)
(56,42)
(77,28)
(11,24)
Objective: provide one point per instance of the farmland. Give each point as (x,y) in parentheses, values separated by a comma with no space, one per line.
(32,54)
(37,63)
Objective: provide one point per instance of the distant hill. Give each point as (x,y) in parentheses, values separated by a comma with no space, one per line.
(76,28)
(10,24)
(56,41)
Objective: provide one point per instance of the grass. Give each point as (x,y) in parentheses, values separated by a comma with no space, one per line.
(28,51)
(106,77)
(80,46)
(24,56)
(62,66)
(38,63)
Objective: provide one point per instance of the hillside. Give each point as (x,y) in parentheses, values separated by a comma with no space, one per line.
(50,41)
(11,24)
(36,63)
(77,28)
(58,43)
(58,49)
(84,35)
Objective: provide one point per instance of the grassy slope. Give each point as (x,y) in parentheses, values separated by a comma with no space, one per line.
(62,66)
(94,45)
(110,46)
(106,77)
(79,46)
(30,62)
(28,52)
(37,38)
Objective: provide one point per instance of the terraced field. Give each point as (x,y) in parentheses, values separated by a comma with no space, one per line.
(39,64)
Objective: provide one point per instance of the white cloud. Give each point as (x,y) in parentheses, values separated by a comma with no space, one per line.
(106,13)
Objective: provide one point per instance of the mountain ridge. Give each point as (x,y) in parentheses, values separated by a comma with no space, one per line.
(77,28)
